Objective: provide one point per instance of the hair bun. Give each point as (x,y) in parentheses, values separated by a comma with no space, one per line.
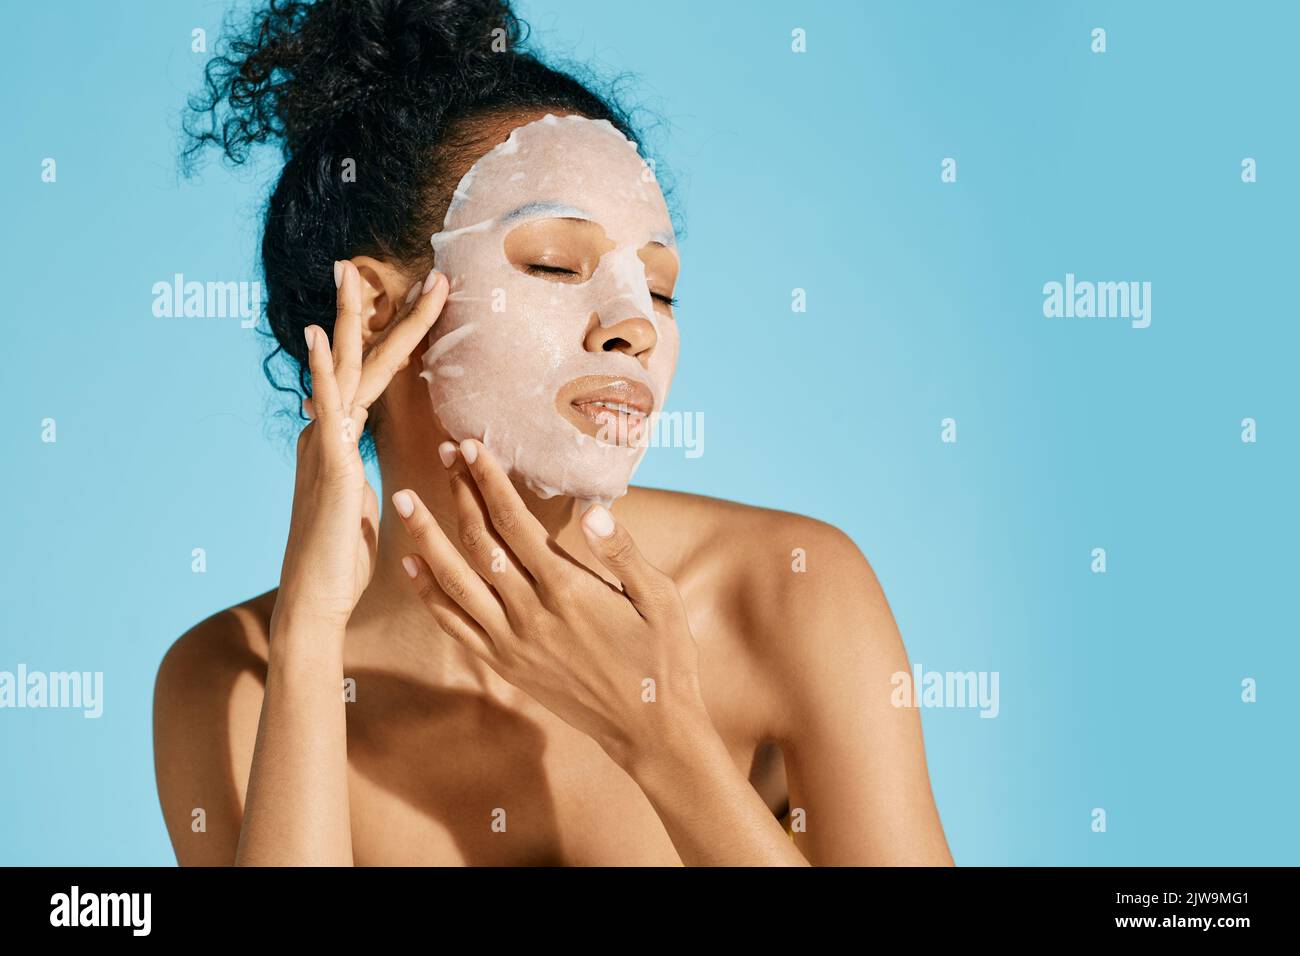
(302,68)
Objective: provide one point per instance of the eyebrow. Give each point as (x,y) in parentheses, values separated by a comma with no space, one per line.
(565,211)
(559,209)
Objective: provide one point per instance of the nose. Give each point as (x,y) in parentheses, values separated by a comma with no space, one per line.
(634,336)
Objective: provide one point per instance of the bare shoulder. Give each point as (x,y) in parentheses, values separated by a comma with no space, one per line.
(780,564)
(806,603)
(230,641)
(207,698)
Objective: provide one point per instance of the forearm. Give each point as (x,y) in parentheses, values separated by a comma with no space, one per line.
(712,814)
(297,812)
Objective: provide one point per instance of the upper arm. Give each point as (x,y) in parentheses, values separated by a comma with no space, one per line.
(207,697)
(855,763)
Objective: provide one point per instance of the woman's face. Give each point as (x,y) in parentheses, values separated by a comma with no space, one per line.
(558,340)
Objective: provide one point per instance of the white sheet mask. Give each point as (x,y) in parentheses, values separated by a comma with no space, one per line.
(507,341)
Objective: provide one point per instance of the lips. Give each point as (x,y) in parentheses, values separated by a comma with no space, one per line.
(611,410)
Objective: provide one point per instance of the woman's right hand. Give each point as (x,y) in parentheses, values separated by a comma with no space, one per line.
(330,555)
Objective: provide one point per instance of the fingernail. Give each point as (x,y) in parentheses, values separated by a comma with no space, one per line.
(447,452)
(429,281)
(469,450)
(415,290)
(308,410)
(338,275)
(599,521)
(404,503)
(412,569)
(311,339)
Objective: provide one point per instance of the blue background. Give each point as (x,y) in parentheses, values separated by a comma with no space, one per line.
(818,171)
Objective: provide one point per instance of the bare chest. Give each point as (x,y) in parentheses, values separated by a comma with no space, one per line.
(439,776)
(476,785)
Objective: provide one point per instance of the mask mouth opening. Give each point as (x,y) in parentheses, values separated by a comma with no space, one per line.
(612,410)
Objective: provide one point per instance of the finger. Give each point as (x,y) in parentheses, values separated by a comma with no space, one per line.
(370,522)
(516,526)
(487,553)
(324,388)
(347,330)
(452,574)
(404,335)
(353,424)
(651,591)
(458,625)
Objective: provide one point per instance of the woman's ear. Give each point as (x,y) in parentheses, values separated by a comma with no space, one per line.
(383,295)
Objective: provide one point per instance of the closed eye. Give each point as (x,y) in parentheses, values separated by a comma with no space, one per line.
(538,268)
(542,269)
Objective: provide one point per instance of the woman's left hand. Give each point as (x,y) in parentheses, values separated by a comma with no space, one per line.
(618,665)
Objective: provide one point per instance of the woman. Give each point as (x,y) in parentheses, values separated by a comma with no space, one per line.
(519,663)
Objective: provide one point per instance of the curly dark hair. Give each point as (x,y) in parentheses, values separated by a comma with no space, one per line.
(401,88)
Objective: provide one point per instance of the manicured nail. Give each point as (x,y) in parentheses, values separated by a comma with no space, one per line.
(447,452)
(599,521)
(429,282)
(414,291)
(412,569)
(338,275)
(404,503)
(469,450)
(308,410)
(311,339)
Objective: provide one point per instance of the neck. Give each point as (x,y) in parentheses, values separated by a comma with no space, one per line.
(424,474)
(391,604)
